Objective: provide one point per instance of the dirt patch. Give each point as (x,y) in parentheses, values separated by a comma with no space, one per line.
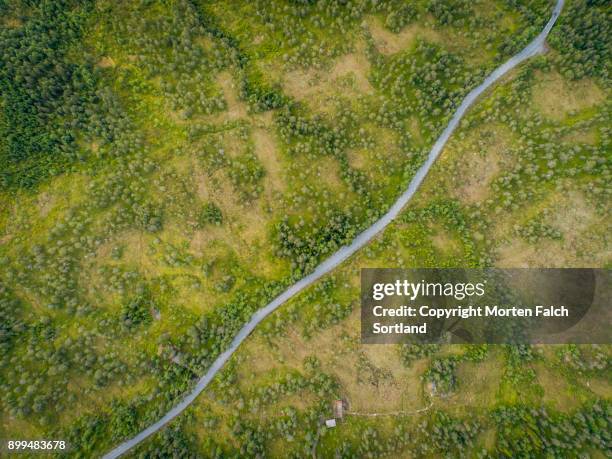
(516,253)
(356,64)
(12,23)
(557,98)
(235,107)
(585,231)
(204,186)
(479,161)
(476,183)
(328,171)
(584,243)
(415,129)
(300,401)
(233,143)
(106,62)
(386,147)
(573,215)
(478,382)
(266,150)
(46,202)
(349,72)
(244,225)
(445,242)
(601,387)
(387,139)
(359,158)
(205,42)
(557,391)
(388,42)
(376,381)
(132,245)
(588,136)
(261,358)
(201,240)
(302,83)
(264,120)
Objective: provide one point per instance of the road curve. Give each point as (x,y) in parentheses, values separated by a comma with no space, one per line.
(534,47)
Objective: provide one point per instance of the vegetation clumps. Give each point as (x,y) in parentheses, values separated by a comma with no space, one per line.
(536,229)
(441,376)
(411,352)
(210,215)
(137,311)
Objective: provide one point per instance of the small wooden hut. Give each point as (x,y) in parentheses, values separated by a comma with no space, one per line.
(338,409)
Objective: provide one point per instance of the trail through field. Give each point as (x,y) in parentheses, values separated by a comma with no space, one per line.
(390,413)
(536,46)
